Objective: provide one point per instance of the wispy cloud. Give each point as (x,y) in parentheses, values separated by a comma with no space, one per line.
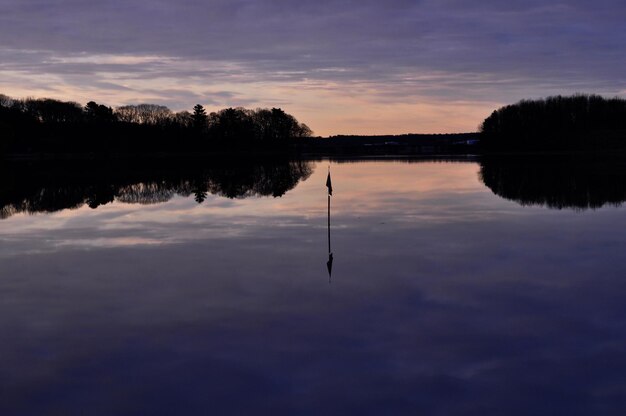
(421,52)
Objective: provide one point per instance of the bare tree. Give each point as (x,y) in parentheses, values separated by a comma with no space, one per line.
(5,101)
(151,114)
(183,119)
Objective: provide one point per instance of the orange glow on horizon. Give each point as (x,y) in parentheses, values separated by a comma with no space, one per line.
(328,108)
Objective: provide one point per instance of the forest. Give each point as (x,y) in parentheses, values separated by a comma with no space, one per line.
(45,125)
(578,122)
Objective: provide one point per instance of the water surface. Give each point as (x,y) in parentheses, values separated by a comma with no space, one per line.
(444,299)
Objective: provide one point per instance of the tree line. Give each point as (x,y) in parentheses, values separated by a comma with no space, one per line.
(556,123)
(50,125)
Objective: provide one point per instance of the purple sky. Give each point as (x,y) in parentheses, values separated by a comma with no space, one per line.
(341,66)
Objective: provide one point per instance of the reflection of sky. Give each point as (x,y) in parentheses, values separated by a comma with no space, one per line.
(444,300)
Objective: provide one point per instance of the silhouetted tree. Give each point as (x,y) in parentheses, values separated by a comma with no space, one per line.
(303,131)
(151,114)
(579,121)
(128,114)
(48,125)
(5,101)
(98,113)
(200,119)
(275,125)
(183,119)
(48,110)
(233,125)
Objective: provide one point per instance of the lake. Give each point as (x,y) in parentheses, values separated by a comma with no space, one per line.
(208,295)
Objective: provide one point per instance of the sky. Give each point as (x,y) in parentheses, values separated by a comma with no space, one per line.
(340,66)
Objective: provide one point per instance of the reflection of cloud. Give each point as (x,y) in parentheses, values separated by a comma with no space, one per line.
(434,307)
(362,189)
(109,242)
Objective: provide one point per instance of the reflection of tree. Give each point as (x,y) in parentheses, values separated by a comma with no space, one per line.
(44,191)
(144,193)
(556,181)
(257,180)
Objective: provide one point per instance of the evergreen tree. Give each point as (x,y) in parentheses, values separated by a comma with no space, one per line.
(200,118)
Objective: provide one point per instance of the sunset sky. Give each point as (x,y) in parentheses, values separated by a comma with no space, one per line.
(341,66)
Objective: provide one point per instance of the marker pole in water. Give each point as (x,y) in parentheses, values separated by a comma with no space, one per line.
(329,224)
(329,264)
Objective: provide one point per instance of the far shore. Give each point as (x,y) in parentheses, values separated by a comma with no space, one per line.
(379,146)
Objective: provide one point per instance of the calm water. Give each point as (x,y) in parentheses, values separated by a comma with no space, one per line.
(445,299)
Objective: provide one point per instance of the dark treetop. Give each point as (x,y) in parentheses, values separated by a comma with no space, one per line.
(53,126)
(557,123)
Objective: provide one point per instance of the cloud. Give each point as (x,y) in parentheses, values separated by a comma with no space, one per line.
(421,51)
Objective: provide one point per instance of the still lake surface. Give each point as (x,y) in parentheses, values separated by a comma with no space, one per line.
(444,299)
